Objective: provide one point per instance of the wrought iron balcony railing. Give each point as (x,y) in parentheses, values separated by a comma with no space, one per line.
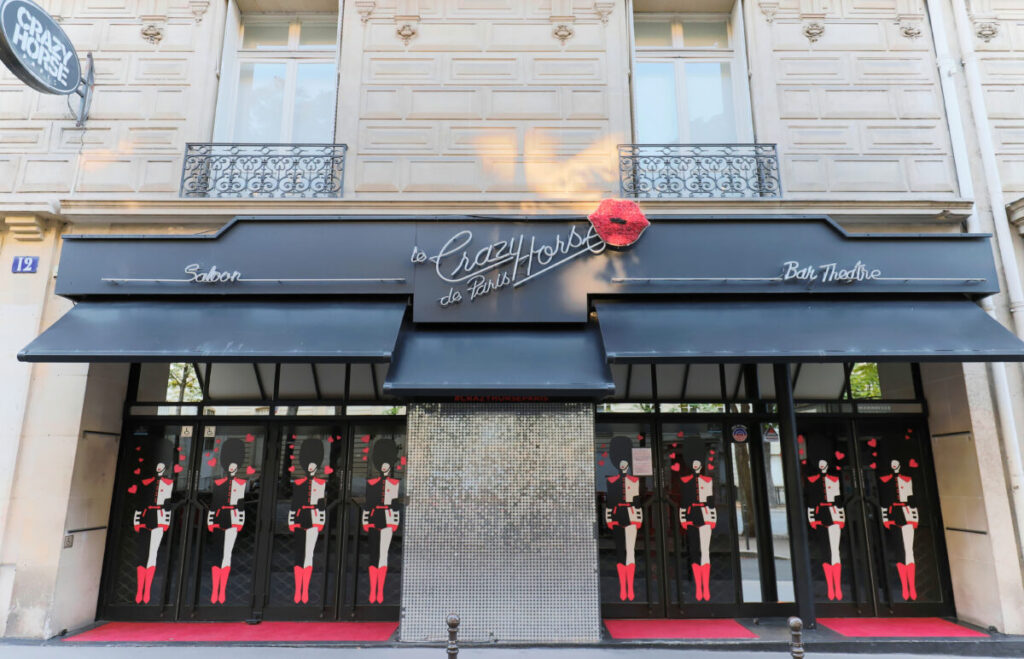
(699,170)
(263,170)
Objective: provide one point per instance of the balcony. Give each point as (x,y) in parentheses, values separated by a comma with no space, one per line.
(270,171)
(715,171)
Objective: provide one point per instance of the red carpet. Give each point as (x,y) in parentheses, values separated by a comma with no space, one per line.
(695,629)
(218,632)
(898,628)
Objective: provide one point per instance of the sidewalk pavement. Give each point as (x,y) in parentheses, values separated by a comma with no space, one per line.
(58,650)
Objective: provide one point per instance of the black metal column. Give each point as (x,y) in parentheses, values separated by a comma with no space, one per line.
(798,541)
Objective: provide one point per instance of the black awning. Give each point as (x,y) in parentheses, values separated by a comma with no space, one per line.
(808,331)
(488,361)
(229,331)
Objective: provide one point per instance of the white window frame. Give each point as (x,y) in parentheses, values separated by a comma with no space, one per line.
(733,54)
(292,54)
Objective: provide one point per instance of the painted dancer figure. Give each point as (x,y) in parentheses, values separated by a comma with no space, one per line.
(698,514)
(901,516)
(381,516)
(308,513)
(227,516)
(152,510)
(622,515)
(825,512)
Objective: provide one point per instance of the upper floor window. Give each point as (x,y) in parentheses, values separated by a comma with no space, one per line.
(689,84)
(279,81)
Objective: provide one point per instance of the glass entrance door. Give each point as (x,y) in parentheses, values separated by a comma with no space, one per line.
(269,520)
(876,538)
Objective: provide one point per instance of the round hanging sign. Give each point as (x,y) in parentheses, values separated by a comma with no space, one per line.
(36,49)
(739,433)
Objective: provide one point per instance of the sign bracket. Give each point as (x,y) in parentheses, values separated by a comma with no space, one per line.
(85,89)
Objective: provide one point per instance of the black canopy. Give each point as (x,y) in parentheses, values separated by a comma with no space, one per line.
(554,362)
(804,331)
(229,331)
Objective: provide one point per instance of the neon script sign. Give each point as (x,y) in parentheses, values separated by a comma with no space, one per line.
(474,270)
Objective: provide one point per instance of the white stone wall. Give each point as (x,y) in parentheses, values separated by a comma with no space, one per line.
(484,98)
(853,102)
(151,97)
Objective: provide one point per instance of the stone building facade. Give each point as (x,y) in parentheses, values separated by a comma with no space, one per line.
(888,116)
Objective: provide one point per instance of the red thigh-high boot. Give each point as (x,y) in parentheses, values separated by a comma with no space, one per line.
(215,588)
(707,581)
(837,578)
(373,584)
(630,573)
(224,572)
(698,576)
(382,572)
(150,571)
(307,574)
(912,580)
(827,567)
(140,576)
(621,567)
(902,569)
(298,574)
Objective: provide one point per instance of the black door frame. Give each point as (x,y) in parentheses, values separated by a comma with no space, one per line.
(340,596)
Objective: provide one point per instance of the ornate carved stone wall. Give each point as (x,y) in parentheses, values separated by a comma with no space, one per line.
(500,523)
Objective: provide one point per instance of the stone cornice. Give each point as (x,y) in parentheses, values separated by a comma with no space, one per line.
(1015,211)
(159,210)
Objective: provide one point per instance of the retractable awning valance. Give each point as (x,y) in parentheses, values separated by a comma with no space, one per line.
(222,331)
(804,331)
(515,361)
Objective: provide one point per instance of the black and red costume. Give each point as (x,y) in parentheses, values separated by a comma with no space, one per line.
(826,514)
(381,516)
(622,514)
(900,514)
(227,515)
(307,511)
(698,514)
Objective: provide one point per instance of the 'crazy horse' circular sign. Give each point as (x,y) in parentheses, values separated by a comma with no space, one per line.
(36,49)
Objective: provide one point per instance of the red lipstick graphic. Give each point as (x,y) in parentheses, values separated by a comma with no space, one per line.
(619,222)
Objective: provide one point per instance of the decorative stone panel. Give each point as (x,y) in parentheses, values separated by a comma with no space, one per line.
(500,523)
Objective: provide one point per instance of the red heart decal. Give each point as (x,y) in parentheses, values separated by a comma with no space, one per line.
(800,439)
(138,448)
(840,455)
(712,451)
(803,462)
(619,222)
(291,446)
(873,465)
(364,458)
(249,470)
(605,454)
(872,442)
(874,454)
(675,445)
(249,437)
(137,471)
(402,459)
(906,436)
(217,441)
(366,439)
(366,450)
(294,437)
(672,455)
(328,470)
(140,459)
(912,462)
(711,467)
(600,463)
(679,434)
(675,466)
(181,457)
(206,455)
(291,468)
(399,467)
(212,462)
(133,489)
(178,469)
(910,430)
(330,440)
(640,437)
(839,468)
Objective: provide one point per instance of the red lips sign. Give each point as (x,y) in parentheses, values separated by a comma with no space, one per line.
(619,222)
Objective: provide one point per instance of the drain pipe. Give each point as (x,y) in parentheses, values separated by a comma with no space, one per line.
(1004,400)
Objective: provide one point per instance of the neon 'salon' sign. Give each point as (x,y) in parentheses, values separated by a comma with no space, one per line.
(483,269)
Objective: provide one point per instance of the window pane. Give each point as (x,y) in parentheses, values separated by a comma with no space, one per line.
(317,34)
(314,103)
(656,114)
(260,102)
(701,34)
(265,35)
(653,33)
(709,102)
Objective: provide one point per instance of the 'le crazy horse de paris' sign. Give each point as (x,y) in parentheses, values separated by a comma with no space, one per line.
(36,49)
(473,268)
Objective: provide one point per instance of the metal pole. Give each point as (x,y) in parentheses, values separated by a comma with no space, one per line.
(798,540)
(796,638)
(453,635)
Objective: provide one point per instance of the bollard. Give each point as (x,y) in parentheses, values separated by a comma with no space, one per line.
(453,635)
(796,638)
